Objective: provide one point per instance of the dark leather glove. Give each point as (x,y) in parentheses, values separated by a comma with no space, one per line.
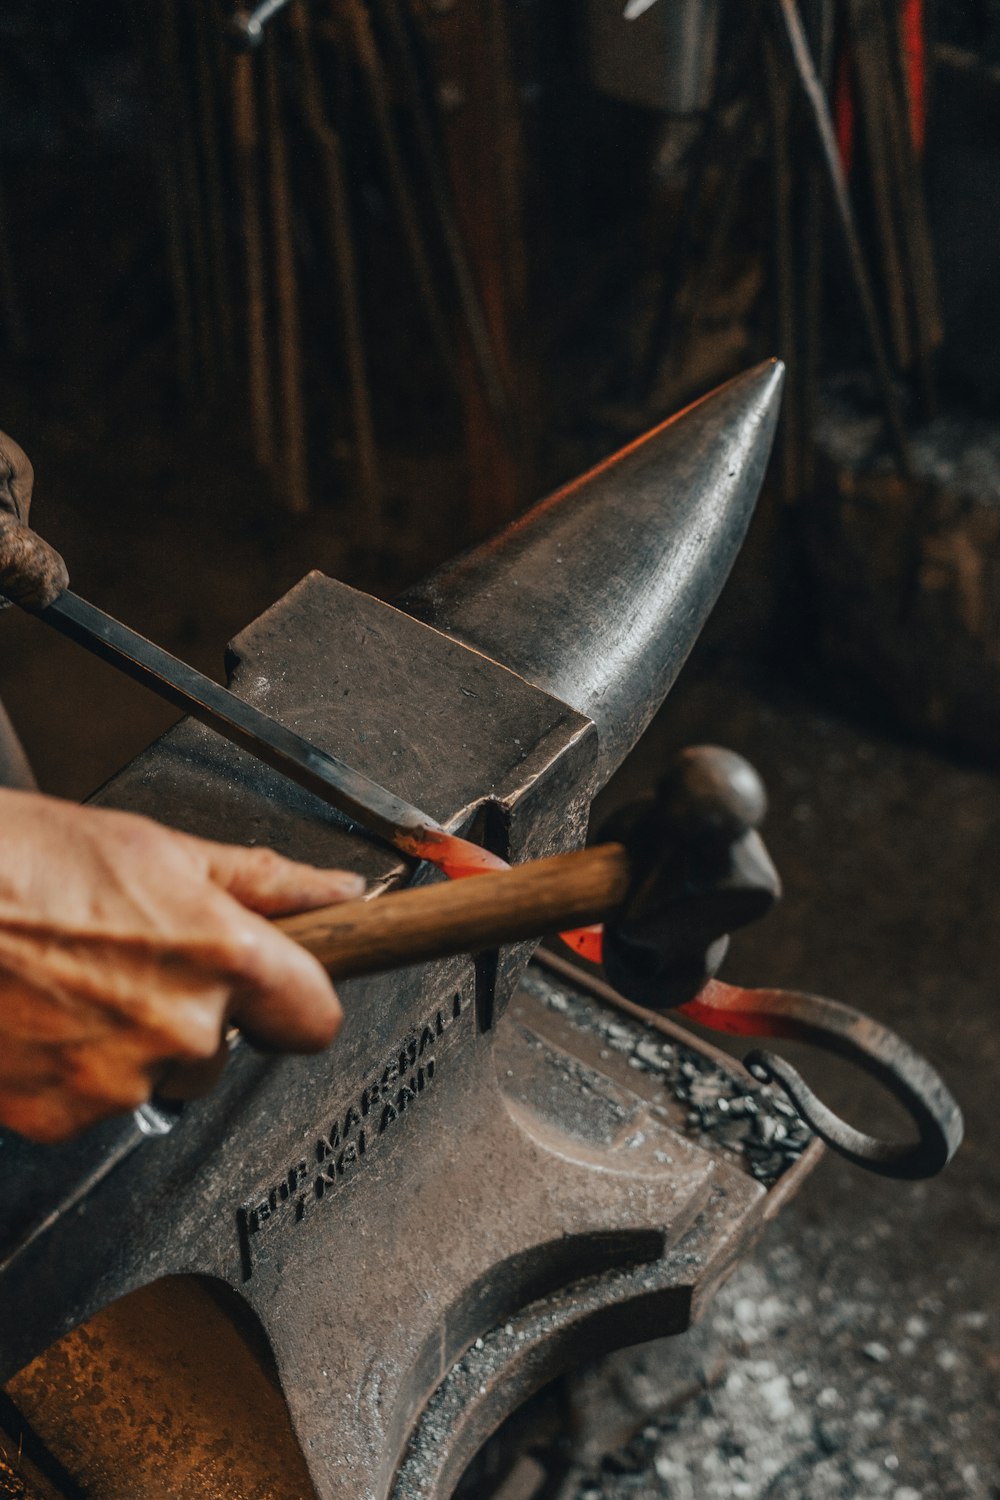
(32,573)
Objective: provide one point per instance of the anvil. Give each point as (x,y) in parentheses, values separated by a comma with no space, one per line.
(403,1237)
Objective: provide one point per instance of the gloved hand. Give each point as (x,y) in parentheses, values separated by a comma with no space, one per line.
(126,948)
(31,572)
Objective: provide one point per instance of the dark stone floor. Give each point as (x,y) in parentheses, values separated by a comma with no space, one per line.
(858,1353)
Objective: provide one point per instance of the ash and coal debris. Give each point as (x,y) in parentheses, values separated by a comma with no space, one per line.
(786,1394)
(787,1390)
(720,1109)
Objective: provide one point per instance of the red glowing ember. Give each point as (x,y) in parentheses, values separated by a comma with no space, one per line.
(740,1012)
(453,856)
(587,941)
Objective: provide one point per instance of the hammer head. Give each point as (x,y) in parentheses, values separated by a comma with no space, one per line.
(701,872)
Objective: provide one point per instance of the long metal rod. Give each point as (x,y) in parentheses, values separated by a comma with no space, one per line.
(294,483)
(441,195)
(363,800)
(786,16)
(246,137)
(340,234)
(378,93)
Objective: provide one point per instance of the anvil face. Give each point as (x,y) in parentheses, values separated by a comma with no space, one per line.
(435,1174)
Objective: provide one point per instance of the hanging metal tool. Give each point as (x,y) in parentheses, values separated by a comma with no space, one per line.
(440,190)
(338,220)
(783,16)
(247,28)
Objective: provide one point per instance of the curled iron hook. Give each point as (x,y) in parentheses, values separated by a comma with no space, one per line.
(852,1035)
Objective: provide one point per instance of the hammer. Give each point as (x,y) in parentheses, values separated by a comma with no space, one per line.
(674,878)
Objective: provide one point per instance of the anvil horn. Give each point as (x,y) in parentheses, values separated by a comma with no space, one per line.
(598,593)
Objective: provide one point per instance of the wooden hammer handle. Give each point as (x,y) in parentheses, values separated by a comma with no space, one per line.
(465,916)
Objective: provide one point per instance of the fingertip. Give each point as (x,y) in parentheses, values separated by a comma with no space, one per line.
(326,1022)
(351,885)
(290,1005)
(268,883)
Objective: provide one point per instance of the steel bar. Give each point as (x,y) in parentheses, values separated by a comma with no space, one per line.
(784,290)
(870,71)
(469,63)
(477,326)
(821,36)
(661,340)
(141,23)
(184,147)
(207,75)
(293,469)
(686,278)
(376,86)
(669,330)
(917,247)
(786,17)
(353,793)
(339,230)
(246,135)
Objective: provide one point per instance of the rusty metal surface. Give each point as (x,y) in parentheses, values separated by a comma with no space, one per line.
(379,1208)
(163,1394)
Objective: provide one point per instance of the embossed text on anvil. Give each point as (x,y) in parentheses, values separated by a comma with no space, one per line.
(343,1148)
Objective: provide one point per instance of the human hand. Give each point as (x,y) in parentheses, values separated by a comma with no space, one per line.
(32,573)
(126,947)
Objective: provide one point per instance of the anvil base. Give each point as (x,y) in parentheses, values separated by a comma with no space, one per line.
(170,1393)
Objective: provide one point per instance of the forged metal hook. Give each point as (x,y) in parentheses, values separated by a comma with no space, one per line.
(701,871)
(850,1034)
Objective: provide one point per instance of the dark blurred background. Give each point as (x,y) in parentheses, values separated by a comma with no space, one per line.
(354,298)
